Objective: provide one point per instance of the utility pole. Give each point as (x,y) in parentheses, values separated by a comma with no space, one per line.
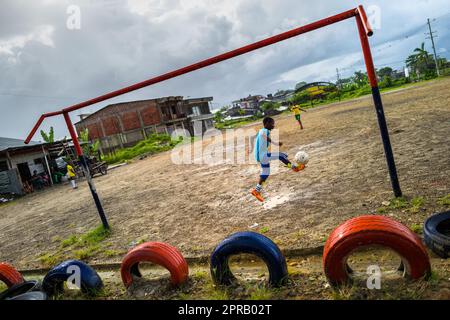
(338,82)
(431,34)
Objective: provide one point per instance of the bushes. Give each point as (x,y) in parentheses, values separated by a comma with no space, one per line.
(234,123)
(153,144)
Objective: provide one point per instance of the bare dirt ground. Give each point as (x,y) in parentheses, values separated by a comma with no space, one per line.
(194,207)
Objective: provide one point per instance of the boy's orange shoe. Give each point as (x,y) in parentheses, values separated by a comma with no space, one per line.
(298,168)
(257,195)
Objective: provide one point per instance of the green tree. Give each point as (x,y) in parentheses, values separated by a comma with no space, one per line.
(385,72)
(218,116)
(360,79)
(50,137)
(269,105)
(300,84)
(301,97)
(89,149)
(420,61)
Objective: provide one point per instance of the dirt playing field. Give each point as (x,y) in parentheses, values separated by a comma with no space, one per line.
(194,207)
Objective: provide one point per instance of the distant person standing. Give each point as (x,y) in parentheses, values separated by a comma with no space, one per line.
(71,175)
(297,113)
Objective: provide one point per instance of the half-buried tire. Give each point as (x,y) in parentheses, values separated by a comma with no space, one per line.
(250,243)
(372,230)
(9,275)
(436,231)
(35,295)
(89,281)
(158,253)
(20,288)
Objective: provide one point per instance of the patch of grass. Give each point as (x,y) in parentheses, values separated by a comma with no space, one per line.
(381,210)
(3,287)
(50,260)
(235,123)
(86,253)
(343,293)
(264,230)
(261,293)
(398,203)
(444,201)
(434,278)
(140,241)
(416,228)
(56,239)
(412,206)
(95,236)
(416,203)
(184,296)
(69,241)
(113,253)
(200,275)
(215,293)
(153,144)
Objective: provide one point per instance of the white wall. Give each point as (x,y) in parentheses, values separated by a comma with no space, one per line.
(29,158)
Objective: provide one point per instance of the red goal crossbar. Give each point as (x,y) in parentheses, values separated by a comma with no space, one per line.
(364,30)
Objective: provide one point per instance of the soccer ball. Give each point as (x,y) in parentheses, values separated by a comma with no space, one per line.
(301,157)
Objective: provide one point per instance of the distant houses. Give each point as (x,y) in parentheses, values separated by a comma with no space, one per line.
(251,105)
(248,106)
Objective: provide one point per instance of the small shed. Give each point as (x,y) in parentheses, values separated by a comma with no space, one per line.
(18,161)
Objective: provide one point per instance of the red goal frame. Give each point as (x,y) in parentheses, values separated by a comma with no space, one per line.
(364,31)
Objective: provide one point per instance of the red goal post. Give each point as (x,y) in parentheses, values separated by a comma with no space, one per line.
(364,31)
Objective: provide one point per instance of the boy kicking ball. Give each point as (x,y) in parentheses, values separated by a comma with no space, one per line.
(263,156)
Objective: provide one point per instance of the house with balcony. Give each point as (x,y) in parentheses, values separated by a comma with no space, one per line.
(124,124)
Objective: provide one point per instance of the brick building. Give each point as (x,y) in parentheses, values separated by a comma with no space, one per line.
(124,124)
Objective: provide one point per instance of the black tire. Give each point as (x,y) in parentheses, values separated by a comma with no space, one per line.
(21,288)
(252,243)
(90,281)
(35,295)
(103,170)
(436,231)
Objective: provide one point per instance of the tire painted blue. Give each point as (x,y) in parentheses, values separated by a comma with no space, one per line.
(90,281)
(436,234)
(20,288)
(35,295)
(251,243)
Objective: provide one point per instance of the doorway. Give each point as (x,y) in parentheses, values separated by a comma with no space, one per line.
(24,171)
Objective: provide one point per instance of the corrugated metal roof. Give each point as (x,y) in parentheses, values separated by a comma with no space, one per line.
(10,143)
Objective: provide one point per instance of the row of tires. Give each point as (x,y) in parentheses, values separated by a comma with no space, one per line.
(353,234)
(88,281)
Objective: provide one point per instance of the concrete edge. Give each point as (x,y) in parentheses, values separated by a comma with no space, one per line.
(288,253)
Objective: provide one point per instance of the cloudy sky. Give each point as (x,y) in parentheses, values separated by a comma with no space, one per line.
(47,62)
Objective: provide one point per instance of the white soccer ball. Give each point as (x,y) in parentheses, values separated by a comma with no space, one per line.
(301,157)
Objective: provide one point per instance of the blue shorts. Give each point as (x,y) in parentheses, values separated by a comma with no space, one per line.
(265,162)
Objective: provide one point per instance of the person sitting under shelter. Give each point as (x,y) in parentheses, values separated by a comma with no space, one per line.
(37,181)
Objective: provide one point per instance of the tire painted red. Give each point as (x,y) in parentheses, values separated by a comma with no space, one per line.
(373,230)
(9,275)
(158,253)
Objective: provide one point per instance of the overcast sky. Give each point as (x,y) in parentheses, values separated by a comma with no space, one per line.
(45,65)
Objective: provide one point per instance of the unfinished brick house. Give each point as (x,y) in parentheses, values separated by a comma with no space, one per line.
(125,124)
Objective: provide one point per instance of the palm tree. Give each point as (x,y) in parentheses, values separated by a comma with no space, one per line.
(420,61)
(422,54)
